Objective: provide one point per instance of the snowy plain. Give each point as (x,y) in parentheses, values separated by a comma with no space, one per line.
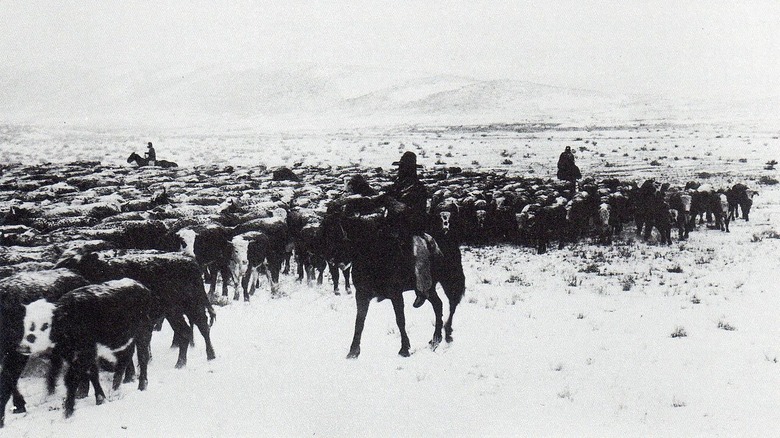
(574,342)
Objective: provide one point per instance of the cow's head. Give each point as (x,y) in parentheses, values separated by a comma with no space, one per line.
(239,262)
(187,239)
(481,216)
(38,317)
(445,220)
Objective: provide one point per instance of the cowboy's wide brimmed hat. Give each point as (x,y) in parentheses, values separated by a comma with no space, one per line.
(408,159)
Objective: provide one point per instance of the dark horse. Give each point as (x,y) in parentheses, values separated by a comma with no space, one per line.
(382,268)
(141,161)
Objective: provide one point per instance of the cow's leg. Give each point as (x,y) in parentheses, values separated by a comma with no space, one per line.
(182,332)
(94,377)
(142,349)
(211,279)
(18,400)
(54,372)
(82,391)
(648,226)
(200,320)
(122,361)
(400,320)
(130,370)
(746,209)
(310,274)
(274,267)
(73,377)
(286,260)
(9,376)
(245,284)
(300,266)
(334,275)
(433,297)
(362,301)
(224,271)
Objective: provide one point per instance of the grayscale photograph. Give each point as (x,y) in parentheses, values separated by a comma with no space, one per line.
(392,219)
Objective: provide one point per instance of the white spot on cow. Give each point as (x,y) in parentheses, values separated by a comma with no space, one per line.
(109,354)
(686,202)
(37,327)
(121,283)
(724,203)
(188,236)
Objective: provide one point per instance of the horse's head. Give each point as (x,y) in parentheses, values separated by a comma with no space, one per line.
(133,157)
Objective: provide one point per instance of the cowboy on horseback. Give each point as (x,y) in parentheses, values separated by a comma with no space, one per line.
(150,155)
(567,170)
(406,201)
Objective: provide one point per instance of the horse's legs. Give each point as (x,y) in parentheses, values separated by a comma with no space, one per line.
(347,272)
(360,320)
(400,319)
(433,297)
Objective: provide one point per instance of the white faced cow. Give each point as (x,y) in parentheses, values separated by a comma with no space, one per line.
(105,320)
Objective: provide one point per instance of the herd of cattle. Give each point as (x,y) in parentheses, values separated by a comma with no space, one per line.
(82,243)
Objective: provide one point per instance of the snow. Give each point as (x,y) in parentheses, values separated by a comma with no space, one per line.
(575,342)
(545,345)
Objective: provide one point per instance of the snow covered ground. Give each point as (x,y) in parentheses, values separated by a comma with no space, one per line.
(575,342)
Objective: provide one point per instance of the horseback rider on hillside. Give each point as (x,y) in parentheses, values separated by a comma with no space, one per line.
(150,155)
(406,201)
(567,170)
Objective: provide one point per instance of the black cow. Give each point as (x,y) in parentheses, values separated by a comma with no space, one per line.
(309,254)
(104,321)
(278,238)
(141,234)
(211,247)
(17,291)
(444,227)
(740,197)
(651,210)
(174,279)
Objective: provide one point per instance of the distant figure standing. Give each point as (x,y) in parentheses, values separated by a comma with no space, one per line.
(150,155)
(567,170)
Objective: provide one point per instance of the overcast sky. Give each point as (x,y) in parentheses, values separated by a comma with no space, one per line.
(679,47)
